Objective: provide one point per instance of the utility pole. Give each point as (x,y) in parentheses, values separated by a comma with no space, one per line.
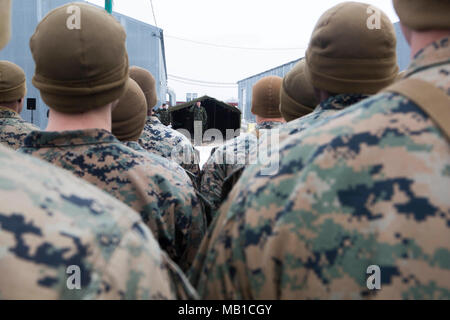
(109,6)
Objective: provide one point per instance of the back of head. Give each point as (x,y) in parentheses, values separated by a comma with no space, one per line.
(266,98)
(347,54)
(5,22)
(147,82)
(297,97)
(81,58)
(423,15)
(129,117)
(12,82)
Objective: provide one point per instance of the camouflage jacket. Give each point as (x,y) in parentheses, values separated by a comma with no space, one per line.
(268,125)
(367,187)
(13,129)
(199,114)
(54,225)
(324,110)
(169,165)
(166,200)
(227,159)
(164,116)
(170,144)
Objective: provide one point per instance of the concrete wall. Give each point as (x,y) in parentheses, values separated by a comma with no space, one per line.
(246,85)
(145,47)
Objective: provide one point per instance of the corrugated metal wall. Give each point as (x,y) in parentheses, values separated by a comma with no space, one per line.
(145,47)
(246,85)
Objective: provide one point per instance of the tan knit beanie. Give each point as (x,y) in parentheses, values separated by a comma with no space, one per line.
(349,54)
(81,58)
(13,85)
(129,117)
(266,97)
(297,97)
(424,14)
(147,82)
(5,22)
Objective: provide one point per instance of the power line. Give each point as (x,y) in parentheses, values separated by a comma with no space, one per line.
(201,81)
(153,11)
(233,47)
(203,85)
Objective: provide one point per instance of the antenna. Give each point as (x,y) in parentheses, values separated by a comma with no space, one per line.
(109,6)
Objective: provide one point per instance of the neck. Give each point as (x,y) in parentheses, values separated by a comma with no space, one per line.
(261,120)
(420,40)
(95,119)
(10,107)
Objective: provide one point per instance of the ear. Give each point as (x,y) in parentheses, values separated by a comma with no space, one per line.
(20,105)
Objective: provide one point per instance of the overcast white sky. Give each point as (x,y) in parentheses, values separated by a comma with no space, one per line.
(238,23)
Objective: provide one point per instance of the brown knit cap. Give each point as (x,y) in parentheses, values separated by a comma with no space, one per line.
(13,85)
(129,117)
(5,22)
(424,14)
(297,97)
(147,82)
(266,97)
(346,56)
(78,70)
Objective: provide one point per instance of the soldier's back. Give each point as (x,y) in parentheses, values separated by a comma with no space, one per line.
(13,129)
(227,158)
(59,233)
(166,201)
(363,188)
(170,144)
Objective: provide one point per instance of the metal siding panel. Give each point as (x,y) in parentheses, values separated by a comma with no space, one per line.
(144,49)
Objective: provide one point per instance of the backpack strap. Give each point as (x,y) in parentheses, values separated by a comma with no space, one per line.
(432,100)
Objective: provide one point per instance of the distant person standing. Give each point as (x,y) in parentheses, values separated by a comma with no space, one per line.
(200,118)
(164,115)
(13,129)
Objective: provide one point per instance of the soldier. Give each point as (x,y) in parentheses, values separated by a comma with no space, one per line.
(87,232)
(162,140)
(55,228)
(200,118)
(13,129)
(128,120)
(229,159)
(81,95)
(357,195)
(164,115)
(350,84)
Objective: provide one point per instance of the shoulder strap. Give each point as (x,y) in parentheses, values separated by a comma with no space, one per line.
(432,100)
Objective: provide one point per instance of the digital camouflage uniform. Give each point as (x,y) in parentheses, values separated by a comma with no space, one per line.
(166,200)
(170,144)
(13,129)
(199,114)
(169,165)
(50,220)
(227,159)
(369,186)
(323,111)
